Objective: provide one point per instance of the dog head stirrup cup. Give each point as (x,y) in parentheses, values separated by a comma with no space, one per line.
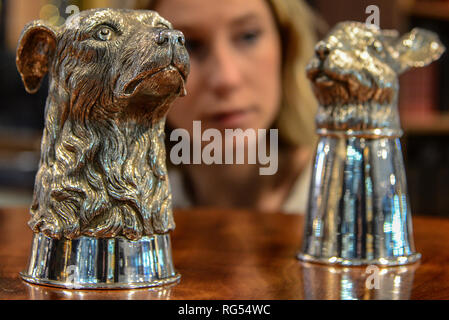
(102,207)
(358,211)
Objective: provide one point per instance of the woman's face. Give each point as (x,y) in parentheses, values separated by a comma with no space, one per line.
(235,51)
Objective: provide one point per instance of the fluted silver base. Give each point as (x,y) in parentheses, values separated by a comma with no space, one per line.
(387,262)
(358,211)
(91,263)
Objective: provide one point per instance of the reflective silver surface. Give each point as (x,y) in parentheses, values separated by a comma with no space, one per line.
(90,263)
(35,292)
(343,283)
(358,211)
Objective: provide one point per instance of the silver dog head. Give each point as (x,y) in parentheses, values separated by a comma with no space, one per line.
(358,189)
(355,73)
(113,75)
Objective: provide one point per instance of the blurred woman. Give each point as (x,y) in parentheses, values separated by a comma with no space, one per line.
(248,62)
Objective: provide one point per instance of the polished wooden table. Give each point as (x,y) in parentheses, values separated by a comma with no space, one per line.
(246,255)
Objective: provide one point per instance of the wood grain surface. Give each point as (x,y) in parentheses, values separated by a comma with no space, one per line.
(245,255)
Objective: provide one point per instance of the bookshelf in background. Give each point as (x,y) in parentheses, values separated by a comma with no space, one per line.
(424,108)
(424,95)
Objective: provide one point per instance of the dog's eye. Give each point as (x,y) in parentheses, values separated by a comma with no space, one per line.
(105,34)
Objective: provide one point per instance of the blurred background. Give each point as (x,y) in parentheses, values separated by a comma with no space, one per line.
(424,97)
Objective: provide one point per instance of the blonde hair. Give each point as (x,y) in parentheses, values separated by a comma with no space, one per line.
(296,119)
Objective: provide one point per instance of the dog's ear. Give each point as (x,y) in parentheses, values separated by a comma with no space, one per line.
(417,48)
(37,46)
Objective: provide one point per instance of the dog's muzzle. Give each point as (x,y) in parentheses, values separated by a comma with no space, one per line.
(170,76)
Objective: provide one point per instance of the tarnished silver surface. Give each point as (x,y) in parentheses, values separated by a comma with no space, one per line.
(113,76)
(358,211)
(90,263)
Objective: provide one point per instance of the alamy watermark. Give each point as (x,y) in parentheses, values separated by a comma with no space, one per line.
(374,16)
(52,14)
(373,279)
(73,276)
(235,144)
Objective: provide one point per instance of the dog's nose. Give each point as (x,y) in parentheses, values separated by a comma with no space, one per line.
(322,50)
(174,37)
